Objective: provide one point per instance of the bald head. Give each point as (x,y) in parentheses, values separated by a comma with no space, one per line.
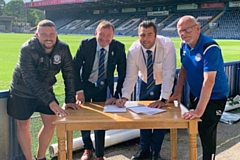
(187,19)
(188,30)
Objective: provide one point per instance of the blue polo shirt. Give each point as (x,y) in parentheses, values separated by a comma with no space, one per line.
(206,56)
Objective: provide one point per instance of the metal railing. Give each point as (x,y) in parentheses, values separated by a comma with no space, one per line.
(10,149)
(232,70)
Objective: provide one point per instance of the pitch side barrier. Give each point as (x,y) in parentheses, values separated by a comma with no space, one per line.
(9,147)
(10,150)
(232,70)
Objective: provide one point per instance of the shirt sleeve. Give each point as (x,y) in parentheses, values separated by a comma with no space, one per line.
(169,70)
(131,75)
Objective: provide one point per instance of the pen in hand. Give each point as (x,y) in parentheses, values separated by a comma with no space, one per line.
(120,99)
(119,96)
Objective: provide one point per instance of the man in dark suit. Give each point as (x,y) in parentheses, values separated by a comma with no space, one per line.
(95,63)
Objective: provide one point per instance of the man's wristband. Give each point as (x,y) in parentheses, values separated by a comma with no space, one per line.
(164,101)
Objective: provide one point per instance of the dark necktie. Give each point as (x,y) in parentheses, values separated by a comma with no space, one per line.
(101,68)
(150,81)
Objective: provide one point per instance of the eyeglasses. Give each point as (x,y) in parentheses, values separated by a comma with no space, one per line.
(187,30)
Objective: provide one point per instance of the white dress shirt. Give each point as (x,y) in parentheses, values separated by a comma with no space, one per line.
(94,74)
(164,66)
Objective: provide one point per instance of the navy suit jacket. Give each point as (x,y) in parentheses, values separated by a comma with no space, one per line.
(84,59)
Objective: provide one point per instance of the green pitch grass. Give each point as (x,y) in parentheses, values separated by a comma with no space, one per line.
(9,51)
(10,45)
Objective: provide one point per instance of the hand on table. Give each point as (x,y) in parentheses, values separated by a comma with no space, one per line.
(111,101)
(57,109)
(192,114)
(156,104)
(80,98)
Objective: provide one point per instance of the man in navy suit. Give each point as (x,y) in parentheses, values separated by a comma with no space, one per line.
(95,63)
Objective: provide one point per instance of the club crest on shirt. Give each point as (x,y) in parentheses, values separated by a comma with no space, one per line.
(184,53)
(218,112)
(198,57)
(56,59)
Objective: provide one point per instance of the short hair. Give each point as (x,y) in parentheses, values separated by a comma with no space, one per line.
(105,24)
(45,23)
(148,24)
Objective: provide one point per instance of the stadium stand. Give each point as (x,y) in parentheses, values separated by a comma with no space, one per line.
(126,24)
(202,16)
(115,19)
(134,30)
(217,19)
(228,25)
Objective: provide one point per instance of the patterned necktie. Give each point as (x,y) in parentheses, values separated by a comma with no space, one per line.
(150,81)
(101,68)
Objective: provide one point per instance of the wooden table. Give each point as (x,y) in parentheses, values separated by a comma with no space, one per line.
(92,117)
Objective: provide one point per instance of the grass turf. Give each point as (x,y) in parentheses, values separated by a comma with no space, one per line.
(10,45)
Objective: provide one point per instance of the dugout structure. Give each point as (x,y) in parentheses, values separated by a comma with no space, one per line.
(6,23)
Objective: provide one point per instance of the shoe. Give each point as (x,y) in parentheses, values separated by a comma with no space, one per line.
(35,157)
(100,158)
(156,156)
(142,154)
(87,155)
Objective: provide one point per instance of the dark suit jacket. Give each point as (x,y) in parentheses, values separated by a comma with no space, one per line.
(84,59)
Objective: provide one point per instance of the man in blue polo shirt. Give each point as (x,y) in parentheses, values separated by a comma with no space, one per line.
(203,67)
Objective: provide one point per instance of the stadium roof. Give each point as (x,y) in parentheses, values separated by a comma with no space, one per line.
(106,4)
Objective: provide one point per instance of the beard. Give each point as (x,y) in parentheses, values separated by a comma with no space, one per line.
(48,46)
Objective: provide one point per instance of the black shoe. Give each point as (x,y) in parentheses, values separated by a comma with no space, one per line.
(156,156)
(142,154)
(35,157)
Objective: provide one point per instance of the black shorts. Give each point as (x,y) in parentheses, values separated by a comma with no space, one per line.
(22,108)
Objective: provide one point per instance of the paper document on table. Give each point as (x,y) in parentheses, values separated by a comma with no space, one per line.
(113,108)
(182,107)
(132,104)
(145,110)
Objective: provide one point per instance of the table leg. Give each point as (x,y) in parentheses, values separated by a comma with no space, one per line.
(61,141)
(192,134)
(69,144)
(173,138)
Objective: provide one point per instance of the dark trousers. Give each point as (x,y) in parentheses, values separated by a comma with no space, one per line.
(151,139)
(95,94)
(208,127)
(99,141)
